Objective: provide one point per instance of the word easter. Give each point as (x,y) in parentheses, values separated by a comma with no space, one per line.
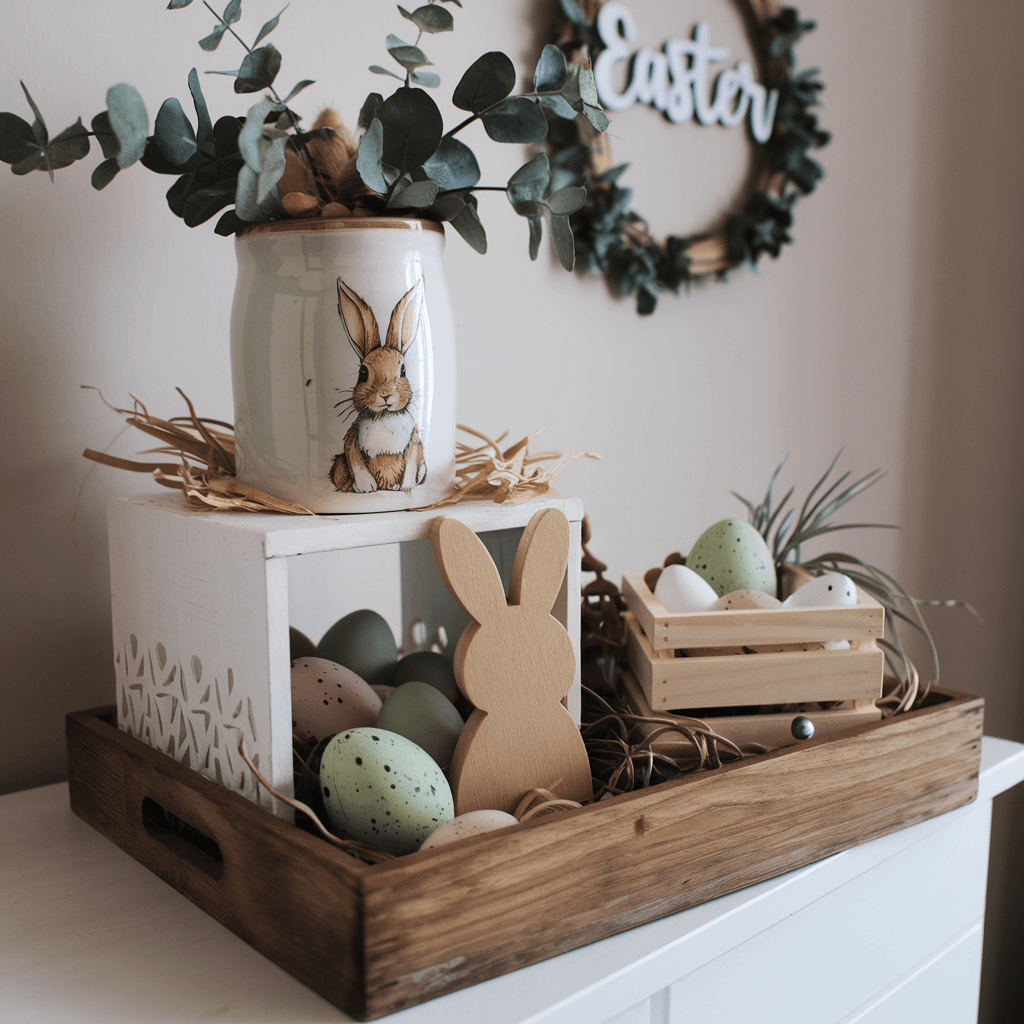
(675,86)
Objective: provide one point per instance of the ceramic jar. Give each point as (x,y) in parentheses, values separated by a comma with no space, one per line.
(343,363)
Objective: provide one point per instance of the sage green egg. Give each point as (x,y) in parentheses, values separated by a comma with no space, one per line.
(421,713)
(429,667)
(732,555)
(383,790)
(363,642)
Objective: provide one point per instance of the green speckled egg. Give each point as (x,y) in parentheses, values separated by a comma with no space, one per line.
(363,642)
(423,714)
(732,555)
(381,789)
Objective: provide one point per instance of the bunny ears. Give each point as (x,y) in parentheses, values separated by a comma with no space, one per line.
(471,576)
(361,325)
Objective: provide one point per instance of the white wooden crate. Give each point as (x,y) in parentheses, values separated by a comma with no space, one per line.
(200,618)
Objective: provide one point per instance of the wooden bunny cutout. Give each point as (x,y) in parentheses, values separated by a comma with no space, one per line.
(515,663)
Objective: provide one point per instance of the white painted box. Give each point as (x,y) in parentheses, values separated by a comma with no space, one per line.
(200,604)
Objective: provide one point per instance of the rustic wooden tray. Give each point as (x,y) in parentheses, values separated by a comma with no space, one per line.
(375,939)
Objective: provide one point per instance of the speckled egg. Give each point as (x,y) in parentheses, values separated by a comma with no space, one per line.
(680,589)
(327,697)
(381,789)
(732,555)
(426,716)
(363,642)
(472,823)
(429,667)
(830,590)
(739,600)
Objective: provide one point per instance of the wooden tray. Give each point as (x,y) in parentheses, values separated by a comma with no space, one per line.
(375,939)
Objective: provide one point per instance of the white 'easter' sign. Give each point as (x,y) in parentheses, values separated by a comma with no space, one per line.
(675,81)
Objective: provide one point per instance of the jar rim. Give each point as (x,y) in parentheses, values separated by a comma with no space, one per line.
(309,224)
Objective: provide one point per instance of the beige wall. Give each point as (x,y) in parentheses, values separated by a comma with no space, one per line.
(893,327)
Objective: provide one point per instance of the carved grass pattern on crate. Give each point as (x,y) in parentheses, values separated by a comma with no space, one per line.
(184,714)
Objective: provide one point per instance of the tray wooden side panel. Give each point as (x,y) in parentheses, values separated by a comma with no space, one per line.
(730,680)
(667,630)
(443,919)
(293,897)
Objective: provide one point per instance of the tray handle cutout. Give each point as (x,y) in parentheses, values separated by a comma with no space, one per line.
(188,842)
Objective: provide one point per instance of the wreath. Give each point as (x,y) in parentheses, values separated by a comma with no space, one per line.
(614,240)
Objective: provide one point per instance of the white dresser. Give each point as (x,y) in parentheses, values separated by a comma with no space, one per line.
(890,931)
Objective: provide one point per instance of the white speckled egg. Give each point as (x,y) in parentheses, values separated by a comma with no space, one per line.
(381,789)
(832,590)
(327,697)
(732,555)
(472,823)
(680,589)
(736,600)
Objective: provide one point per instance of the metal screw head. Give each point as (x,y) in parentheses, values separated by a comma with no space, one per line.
(802,728)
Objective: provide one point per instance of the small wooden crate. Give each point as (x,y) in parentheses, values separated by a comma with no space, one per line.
(795,669)
(375,939)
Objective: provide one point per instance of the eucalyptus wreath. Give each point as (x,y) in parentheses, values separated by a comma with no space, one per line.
(614,240)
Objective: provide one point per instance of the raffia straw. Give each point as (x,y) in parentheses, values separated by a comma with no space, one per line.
(550,803)
(511,475)
(361,850)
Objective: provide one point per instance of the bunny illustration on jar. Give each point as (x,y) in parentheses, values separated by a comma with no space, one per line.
(382,449)
(515,664)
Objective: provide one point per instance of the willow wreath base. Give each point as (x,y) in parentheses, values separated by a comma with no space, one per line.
(614,240)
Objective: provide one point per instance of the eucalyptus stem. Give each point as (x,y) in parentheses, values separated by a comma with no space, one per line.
(248,49)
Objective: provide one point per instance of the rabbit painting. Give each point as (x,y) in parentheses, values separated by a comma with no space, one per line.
(383,450)
(515,663)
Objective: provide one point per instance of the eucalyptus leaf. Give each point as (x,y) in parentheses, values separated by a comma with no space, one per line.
(174,133)
(488,80)
(17,140)
(368,158)
(226,133)
(453,165)
(33,162)
(562,240)
(551,70)
(39,126)
(251,135)
(531,181)
(412,128)
(378,70)
(515,120)
(70,145)
(567,200)
(558,105)
(574,12)
(527,207)
(247,205)
(212,41)
(269,26)
(272,169)
(467,223)
(177,5)
(410,57)
(105,135)
(416,195)
(233,11)
(445,207)
(258,70)
(430,18)
(304,84)
(202,205)
(536,233)
(646,302)
(588,86)
(129,121)
(426,78)
(154,160)
(229,224)
(597,117)
(104,173)
(204,128)
(370,109)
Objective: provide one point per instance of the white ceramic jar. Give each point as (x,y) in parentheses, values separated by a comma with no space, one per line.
(343,363)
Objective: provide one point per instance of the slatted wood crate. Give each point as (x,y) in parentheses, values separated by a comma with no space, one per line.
(751,656)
